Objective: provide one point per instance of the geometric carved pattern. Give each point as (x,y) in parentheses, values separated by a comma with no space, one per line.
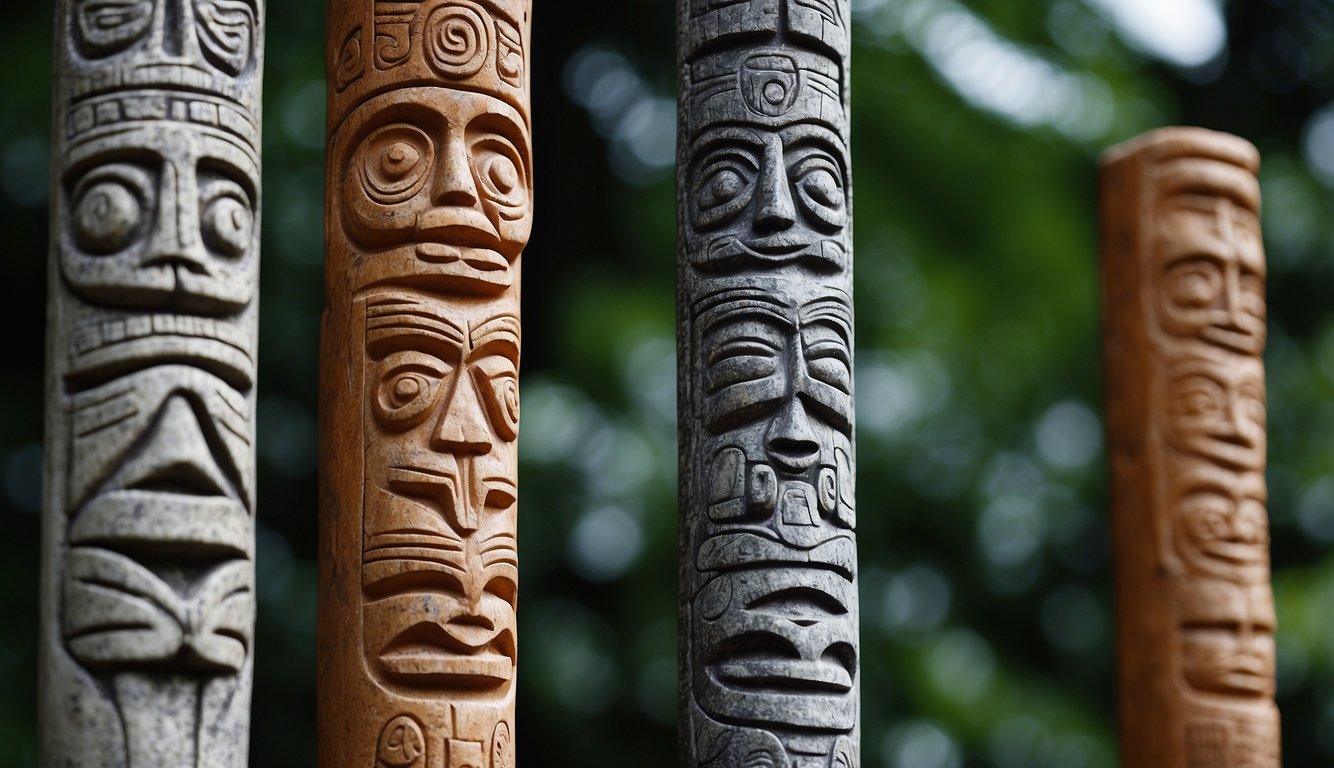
(148,587)
(1183,280)
(429,208)
(769,566)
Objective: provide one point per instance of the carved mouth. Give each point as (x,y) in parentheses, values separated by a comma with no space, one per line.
(480,259)
(467,651)
(780,248)
(784,675)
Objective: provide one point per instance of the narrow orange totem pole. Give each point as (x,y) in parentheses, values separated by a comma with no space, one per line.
(429,204)
(1184,329)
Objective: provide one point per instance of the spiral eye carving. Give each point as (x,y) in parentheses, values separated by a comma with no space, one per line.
(394,163)
(111,26)
(500,172)
(501,386)
(405,395)
(107,218)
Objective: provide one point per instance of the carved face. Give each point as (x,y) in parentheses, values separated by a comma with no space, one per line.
(768,196)
(439,565)
(1227,636)
(202,34)
(439,188)
(1221,527)
(1217,411)
(778,377)
(1209,250)
(775,558)
(162,216)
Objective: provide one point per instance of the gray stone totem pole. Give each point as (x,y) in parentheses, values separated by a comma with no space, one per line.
(769,656)
(148,536)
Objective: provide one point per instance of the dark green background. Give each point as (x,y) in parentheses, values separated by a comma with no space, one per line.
(986,619)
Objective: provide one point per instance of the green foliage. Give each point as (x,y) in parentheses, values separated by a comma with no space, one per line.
(986,598)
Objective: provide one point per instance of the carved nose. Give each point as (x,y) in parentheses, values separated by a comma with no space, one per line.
(175,240)
(453,183)
(790,441)
(463,429)
(776,212)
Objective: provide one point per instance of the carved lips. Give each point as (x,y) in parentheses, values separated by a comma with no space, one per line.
(439,195)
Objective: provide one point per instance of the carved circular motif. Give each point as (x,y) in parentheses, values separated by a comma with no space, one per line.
(458,39)
(227,225)
(402,744)
(106,218)
(394,163)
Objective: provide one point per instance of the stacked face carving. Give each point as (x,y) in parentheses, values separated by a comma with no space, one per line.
(1203,316)
(769,597)
(431,206)
(157,252)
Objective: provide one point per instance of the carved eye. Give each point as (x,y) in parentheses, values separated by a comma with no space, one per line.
(227,222)
(751,354)
(500,172)
(394,162)
(724,189)
(107,217)
(827,359)
(407,390)
(109,26)
(497,379)
(819,185)
(1252,298)
(1198,398)
(1194,284)
(226,29)
(1208,515)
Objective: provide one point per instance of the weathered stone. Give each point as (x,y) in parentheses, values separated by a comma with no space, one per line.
(768,554)
(429,207)
(148,578)
(1184,329)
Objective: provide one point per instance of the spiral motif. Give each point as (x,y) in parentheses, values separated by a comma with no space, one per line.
(458,38)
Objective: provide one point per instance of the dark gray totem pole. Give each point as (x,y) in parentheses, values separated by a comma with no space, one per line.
(769,656)
(148,530)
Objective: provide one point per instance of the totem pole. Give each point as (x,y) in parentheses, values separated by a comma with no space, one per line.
(148,533)
(1184,329)
(429,206)
(769,654)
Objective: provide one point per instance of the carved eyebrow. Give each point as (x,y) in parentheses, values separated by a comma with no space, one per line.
(389,325)
(830,311)
(720,134)
(500,331)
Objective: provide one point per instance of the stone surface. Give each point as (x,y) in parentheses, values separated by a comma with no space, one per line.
(769,647)
(148,535)
(429,207)
(1184,329)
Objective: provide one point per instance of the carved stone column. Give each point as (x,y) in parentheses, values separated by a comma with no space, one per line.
(769,654)
(148,535)
(429,205)
(1184,329)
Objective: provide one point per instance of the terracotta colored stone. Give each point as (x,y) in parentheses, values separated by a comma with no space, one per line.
(429,207)
(1184,329)
(148,545)
(769,655)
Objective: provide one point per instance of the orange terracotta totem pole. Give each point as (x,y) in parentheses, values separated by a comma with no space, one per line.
(428,209)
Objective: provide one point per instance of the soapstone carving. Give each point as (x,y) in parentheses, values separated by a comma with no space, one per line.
(429,207)
(770,663)
(148,576)
(1184,330)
